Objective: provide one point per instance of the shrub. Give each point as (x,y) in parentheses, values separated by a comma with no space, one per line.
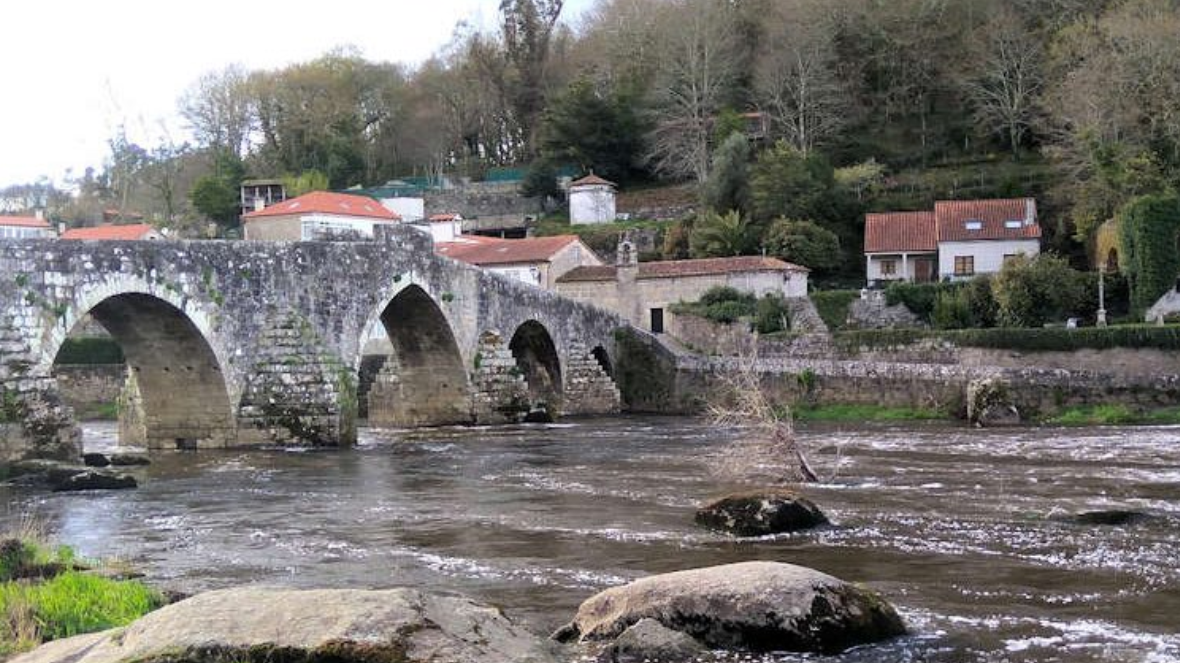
(805,243)
(771,315)
(1032,292)
(833,306)
(722,293)
(951,311)
(919,298)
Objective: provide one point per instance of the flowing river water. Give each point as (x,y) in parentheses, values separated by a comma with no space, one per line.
(965,531)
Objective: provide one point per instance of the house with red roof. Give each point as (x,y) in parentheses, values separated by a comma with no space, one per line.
(126,232)
(643,291)
(958,239)
(24,227)
(318,215)
(538,261)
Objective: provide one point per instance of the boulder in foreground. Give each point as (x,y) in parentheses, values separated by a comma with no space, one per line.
(761,513)
(310,626)
(755,606)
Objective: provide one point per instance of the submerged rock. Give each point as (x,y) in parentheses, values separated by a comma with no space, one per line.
(990,405)
(761,513)
(1108,517)
(757,606)
(308,626)
(119,459)
(91,480)
(649,640)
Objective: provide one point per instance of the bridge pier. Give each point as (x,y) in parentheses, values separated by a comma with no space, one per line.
(501,394)
(589,387)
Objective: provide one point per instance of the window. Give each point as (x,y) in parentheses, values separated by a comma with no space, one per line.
(964,265)
(1013,224)
(973,224)
(888,267)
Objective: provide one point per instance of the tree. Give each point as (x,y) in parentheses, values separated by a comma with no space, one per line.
(1007,88)
(527,29)
(305,182)
(728,186)
(595,128)
(162,172)
(787,183)
(798,82)
(217,195)
(1030,292)
(699,49)
(804,243)
(719,235)
(217,109)
(1148,230)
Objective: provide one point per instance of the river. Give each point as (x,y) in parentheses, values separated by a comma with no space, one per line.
(965,531)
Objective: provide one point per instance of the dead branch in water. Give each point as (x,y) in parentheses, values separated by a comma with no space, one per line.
(767,448)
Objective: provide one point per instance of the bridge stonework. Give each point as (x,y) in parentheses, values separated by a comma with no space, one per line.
(240,344)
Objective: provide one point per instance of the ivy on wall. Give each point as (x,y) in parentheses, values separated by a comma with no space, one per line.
(1148,228)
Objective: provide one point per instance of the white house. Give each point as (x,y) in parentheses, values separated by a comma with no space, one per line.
(538,261)
(441,227)
(318,215)
(24,227)
(959,239)
(592,200)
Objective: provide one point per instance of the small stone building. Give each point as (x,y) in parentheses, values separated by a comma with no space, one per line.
(592,200)
(642,292)
(318,215)
(538,261)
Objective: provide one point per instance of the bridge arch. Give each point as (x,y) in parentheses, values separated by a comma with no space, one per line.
(539,361)
(422,380)
(181,395)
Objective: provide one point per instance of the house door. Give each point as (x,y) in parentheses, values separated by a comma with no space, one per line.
(923,270)
(657,321)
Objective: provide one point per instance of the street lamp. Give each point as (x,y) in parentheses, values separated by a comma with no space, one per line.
(1101,295)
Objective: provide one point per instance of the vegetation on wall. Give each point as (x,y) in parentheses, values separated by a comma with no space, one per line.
(726,305)
(1149,228)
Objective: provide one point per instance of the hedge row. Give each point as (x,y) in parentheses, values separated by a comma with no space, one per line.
(1028,339)
(89,350)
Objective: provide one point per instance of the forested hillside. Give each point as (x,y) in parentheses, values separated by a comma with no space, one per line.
(867,104)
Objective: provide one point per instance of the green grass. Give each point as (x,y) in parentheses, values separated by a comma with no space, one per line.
(1114,415)
(43,596)
(856,413)
(1037,339)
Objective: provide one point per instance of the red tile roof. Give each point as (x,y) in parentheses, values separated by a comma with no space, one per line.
(442,218)
(592,180)
(900,232)
(132,231)
(326,202)
(23,222)
(666,269)
(952,217)
(475,250)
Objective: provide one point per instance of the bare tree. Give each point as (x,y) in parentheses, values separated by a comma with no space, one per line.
(217,108)
(767,448)
(798,83)
(700,59)
(1007,88)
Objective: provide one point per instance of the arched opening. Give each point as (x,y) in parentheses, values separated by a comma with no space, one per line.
(422,382)
(536,356)
(603,359)
(173,393)
(1112,261)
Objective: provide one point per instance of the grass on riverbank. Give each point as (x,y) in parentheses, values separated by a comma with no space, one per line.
(46,594)
(1114,415)
(857,413)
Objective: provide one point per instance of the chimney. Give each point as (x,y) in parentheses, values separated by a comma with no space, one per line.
(1030,211)
(259,203)
(39,213)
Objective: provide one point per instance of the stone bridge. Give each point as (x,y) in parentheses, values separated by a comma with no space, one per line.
(249,343)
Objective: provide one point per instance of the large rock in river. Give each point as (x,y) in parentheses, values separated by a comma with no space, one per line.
(761,513)
(291,626)
(758,606)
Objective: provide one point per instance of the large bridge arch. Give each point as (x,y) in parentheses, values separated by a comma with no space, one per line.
(182,396)
(423,380)
(539,361)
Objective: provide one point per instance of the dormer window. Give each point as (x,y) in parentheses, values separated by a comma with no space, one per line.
(1013,224)
(973,224)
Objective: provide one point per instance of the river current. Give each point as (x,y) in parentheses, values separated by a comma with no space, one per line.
(967,532)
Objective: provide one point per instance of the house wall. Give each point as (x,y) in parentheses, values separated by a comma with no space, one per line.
(592,204)
(273,228)
(440,231)
(906,271)
(410,209)
(636,301)
(24,232)
(574,254)
(306,227)
(989,255)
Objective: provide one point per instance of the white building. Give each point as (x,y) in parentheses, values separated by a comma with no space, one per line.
(318,215)
(959,239)
(592,200)
(24,227)
(441,227)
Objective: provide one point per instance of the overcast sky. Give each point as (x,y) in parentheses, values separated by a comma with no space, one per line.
(75,70)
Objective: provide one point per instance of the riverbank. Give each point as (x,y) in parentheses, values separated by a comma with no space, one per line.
(47,593)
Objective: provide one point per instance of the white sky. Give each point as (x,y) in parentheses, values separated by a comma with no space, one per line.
(74,70)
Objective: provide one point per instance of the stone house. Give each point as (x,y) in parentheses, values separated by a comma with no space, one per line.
(24,227)
(317,215)
(958,239)
(132,231)
(592,200)
(538,261)
(642,292)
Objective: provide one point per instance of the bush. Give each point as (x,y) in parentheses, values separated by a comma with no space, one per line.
(771,315)
(722,293)
(720,304)
(919,298)
(833,306)
(951,311)
(805,243)
(1032,292)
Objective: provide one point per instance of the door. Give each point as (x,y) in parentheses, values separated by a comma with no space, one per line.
(657,321)
(923,270)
